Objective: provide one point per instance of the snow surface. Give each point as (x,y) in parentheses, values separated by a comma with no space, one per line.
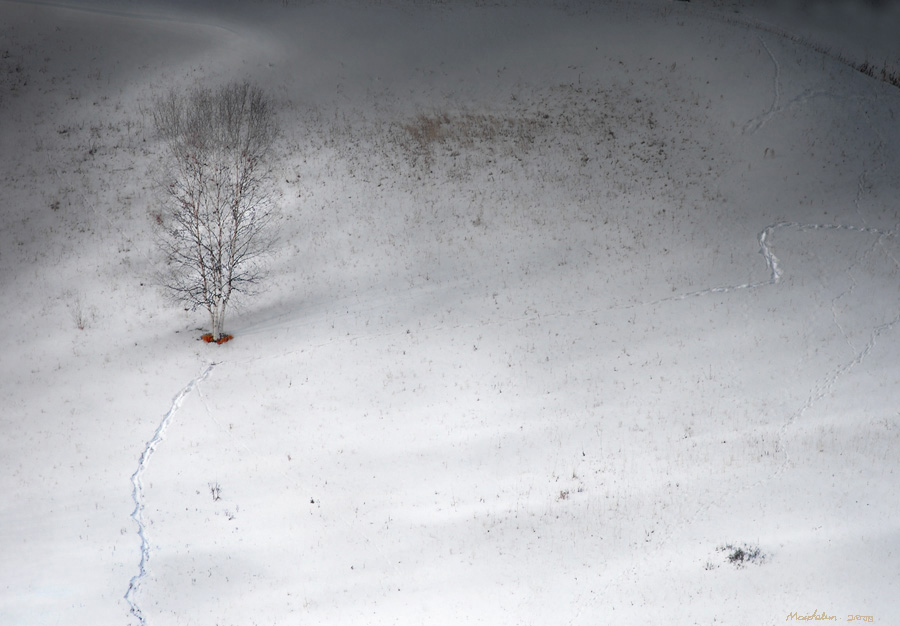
(568,299)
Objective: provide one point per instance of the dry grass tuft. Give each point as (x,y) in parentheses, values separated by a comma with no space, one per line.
(426,134)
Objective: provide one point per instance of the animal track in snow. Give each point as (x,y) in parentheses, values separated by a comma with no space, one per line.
(777,106)
(755,124)
(137,492)
(772,261)
(820,389)
(823,387)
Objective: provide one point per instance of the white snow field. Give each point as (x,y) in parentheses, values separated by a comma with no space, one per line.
(581,314)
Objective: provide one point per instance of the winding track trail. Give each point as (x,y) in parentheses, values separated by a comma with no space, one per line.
(820,388)
(772,261)
(826,384)
(137,492)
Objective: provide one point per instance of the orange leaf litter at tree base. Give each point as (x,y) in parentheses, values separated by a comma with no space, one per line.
(208,338)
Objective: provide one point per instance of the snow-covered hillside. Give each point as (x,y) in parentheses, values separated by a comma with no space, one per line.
(580,315)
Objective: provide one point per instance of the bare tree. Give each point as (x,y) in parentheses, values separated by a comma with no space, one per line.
(217,192)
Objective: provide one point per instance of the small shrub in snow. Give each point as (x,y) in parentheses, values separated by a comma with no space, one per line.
(80,315)
(742,554)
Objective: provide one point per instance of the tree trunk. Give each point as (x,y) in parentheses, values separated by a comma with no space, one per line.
(217,320)
(216,323)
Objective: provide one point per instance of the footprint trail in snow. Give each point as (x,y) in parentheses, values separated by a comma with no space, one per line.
(821,388)
(772,261)
(137,492)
